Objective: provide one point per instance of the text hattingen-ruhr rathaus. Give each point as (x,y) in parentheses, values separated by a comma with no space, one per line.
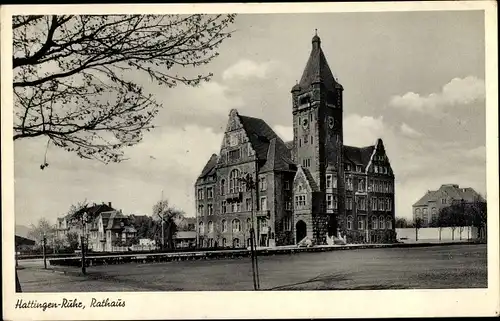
(313,186)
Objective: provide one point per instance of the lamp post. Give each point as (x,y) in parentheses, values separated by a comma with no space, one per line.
(44,250)
(252,185)
(82,241)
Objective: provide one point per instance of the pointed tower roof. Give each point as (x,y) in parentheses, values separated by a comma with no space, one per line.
(317,68)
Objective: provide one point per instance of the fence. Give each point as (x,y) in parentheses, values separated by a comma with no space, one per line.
(437,234)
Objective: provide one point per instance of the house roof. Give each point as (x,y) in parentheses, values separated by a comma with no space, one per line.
(452,191)
(259,133)
(278,157)
(23,241)
(310,179)
(317,68)
(209,166)
(359,155)
(92,211)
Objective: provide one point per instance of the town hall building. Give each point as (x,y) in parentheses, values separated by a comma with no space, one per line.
(313,187)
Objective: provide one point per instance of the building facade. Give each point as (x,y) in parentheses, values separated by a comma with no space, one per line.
(428,206)
(312,187)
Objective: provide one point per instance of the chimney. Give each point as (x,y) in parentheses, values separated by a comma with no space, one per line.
(109,204)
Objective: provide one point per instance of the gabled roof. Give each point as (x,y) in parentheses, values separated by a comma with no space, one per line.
(358,155)
(259,133)
(209,166)
(309,178)
(317,68)
(278,157)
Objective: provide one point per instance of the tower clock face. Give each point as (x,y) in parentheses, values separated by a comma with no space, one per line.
(331,122)
(305,123)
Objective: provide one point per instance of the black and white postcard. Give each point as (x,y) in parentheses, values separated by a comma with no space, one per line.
(298,160)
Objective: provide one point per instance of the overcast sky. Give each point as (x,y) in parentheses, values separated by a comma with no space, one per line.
(414,79)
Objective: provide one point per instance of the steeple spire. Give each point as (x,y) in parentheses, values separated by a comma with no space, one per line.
(317,69)
(316,41)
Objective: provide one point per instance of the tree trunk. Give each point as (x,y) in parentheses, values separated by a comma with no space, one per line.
(416,234)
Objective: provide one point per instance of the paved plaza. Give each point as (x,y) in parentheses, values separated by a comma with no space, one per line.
(451,266)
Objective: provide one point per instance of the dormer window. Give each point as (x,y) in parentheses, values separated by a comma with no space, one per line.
(358,168)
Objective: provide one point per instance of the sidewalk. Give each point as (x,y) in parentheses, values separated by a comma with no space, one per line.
(35,279)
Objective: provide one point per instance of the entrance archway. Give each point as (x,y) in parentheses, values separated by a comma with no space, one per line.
(300,230)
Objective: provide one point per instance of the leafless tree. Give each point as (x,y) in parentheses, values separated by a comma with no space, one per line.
(74,76)
(164,212)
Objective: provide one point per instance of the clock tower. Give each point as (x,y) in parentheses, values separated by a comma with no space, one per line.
(318,137)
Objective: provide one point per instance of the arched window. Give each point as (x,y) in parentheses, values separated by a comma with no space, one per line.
(374,223)
(224,242)
(434,211)
(417,211)
(224,226)
(222,187)
(389,223)
(201,228)
(234,182)
(361,223)
(236,242)
(382,223)
(210,227)
(349,222)
(249,224)
(236,225)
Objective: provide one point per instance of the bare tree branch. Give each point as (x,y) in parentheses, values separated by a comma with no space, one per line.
(73,75)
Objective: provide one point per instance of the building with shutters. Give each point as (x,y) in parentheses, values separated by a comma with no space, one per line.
(312,187)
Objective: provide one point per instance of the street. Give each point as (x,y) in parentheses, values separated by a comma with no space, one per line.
(452,266)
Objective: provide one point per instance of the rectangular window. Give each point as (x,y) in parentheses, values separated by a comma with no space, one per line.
(348,167)
(361,185)
(358,168)
(210,192)
(287,185)
(349,183)
(223,207)
(262,183)
(288,206)
(374,204)
(234,209)
(210,209)
(443,201)
(362,204)
(200,209)
(300,201)
(263,203)
(329,180)
(200,193)
(335,202)
(389,205)
(248,204)
(238,207)
(329,201)
(249,150)
(234,155)
(349,203)
(375,168)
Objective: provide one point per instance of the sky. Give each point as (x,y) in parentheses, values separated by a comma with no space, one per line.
(414,79)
